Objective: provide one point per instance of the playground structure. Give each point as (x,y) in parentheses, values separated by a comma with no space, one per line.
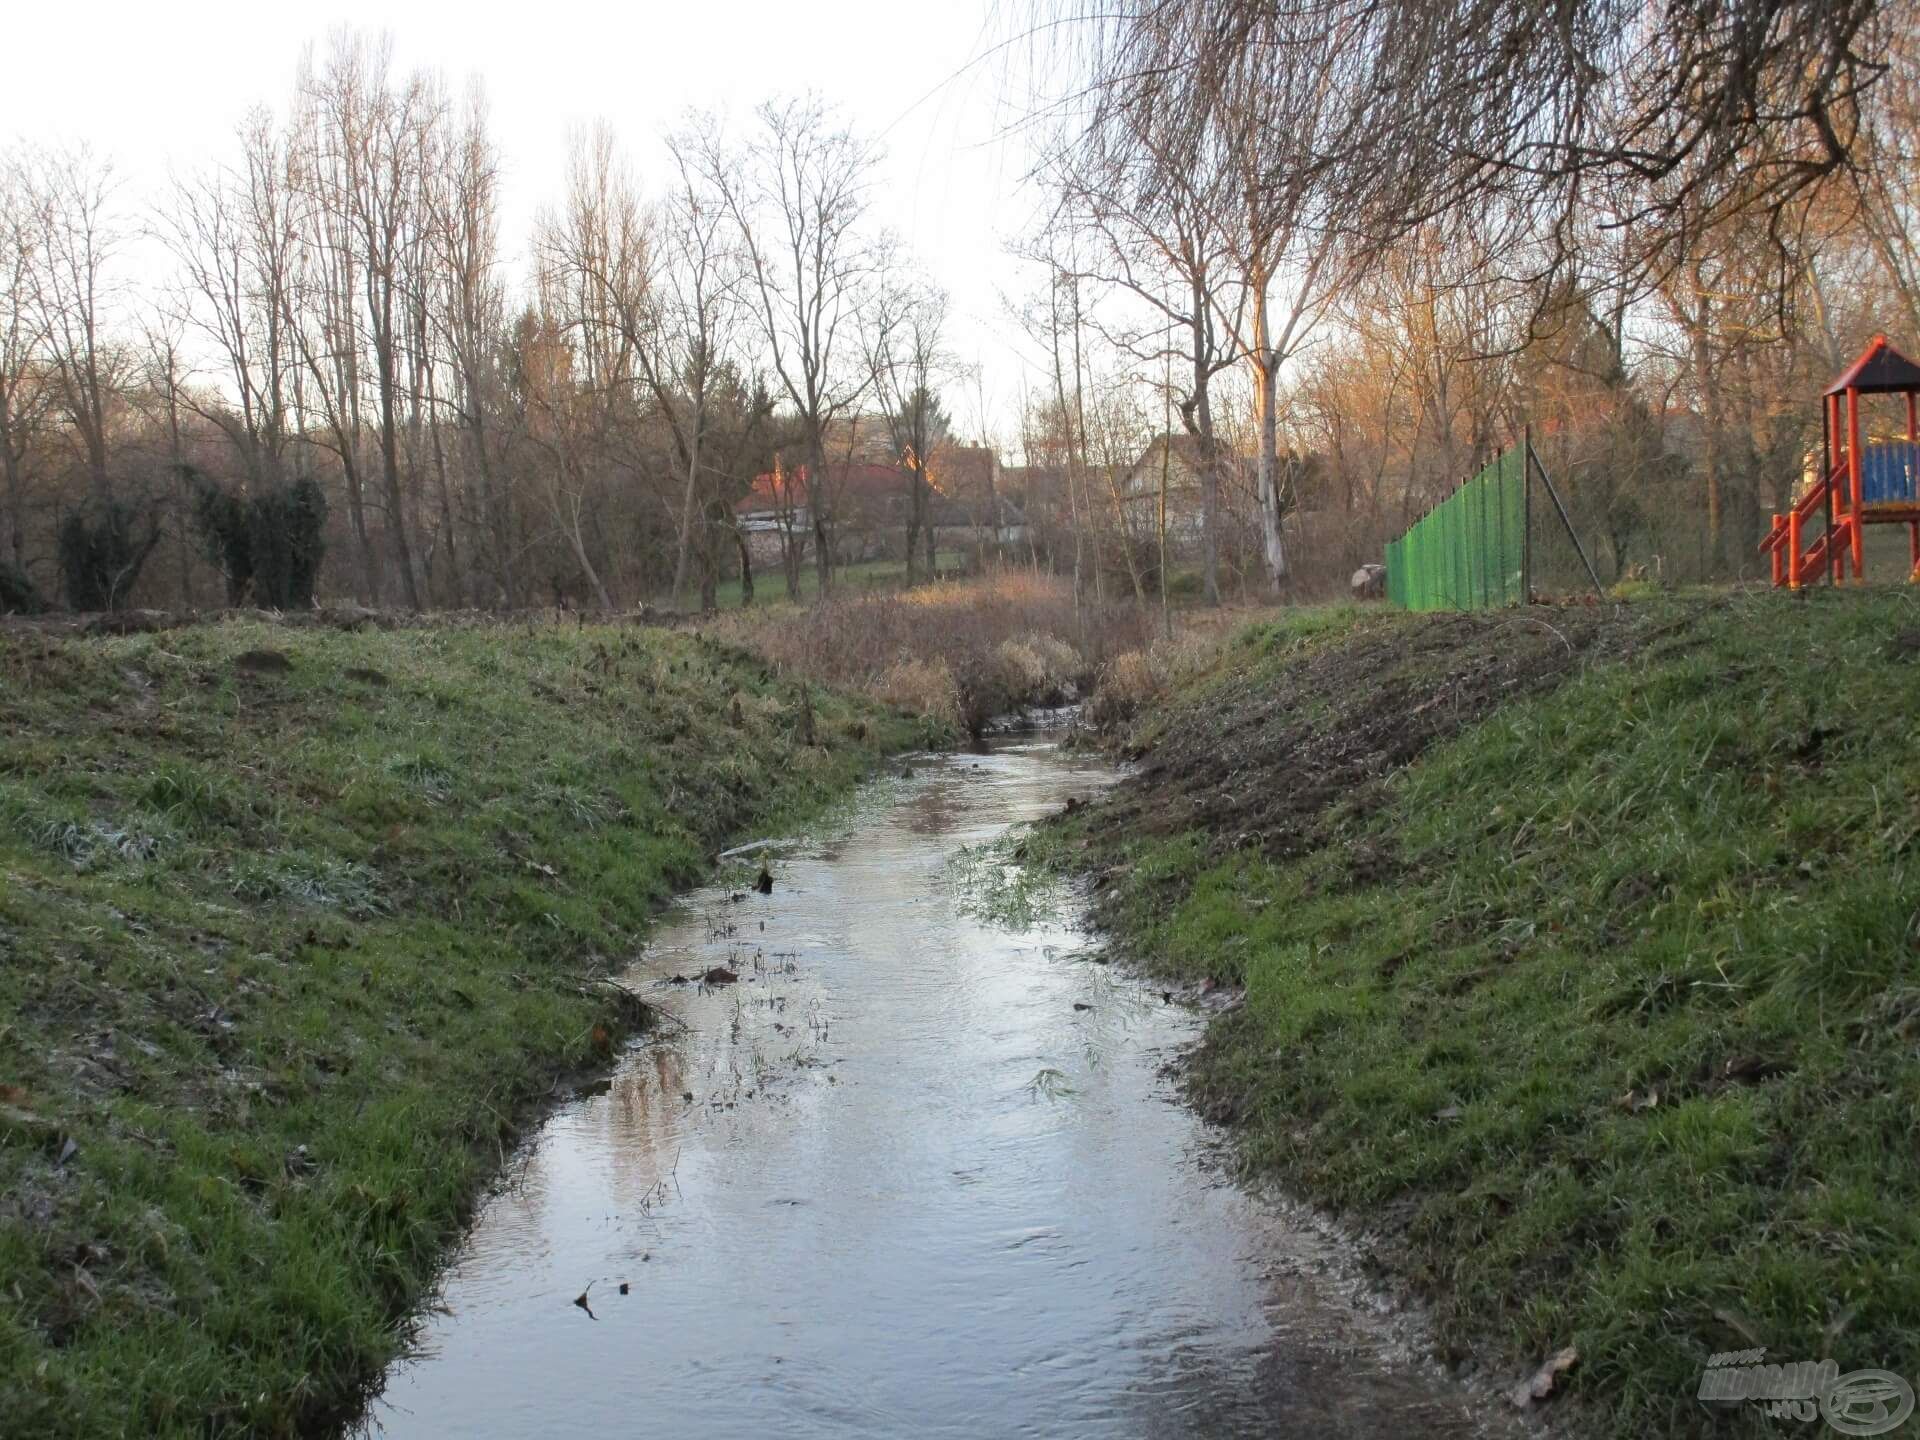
(1872,483)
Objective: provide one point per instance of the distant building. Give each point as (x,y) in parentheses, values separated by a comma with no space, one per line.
(869,499)
(863,501)
(1176,460)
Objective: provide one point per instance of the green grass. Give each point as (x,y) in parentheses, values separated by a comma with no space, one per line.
(770,582)
(286,960)
(1614,1041)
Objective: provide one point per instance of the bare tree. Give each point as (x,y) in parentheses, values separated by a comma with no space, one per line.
(670,281)
(232,233)
(463,199)
(24,394)
(77,299)
(323,294)
(1154,237)
(798,196)
(907,355)
(372,133)
(1447,108)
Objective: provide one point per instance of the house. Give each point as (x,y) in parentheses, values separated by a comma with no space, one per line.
(870,500)
(865,503)
(970,501)
(1175,462)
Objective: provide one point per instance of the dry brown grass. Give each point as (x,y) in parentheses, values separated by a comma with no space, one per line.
(958,651)
(1135,678)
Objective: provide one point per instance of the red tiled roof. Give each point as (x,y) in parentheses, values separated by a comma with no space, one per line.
(854,482)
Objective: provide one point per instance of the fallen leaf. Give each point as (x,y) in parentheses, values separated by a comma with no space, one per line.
(625,1288)
(719,975)
(1081,1005)
(581,1301)
(68,1149)
(1547,1378)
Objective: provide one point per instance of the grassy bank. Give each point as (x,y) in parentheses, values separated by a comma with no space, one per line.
(1581,962)
(296,928)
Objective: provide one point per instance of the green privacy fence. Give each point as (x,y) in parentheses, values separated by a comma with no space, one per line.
(1470,551)
(1503,538)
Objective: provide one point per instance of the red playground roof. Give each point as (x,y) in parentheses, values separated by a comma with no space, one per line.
(1880,370)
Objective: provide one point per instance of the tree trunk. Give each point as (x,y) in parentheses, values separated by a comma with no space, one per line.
(746,567)
(390,471)
(1202,421)
(687,513)
(579,544)
(357,513)
(1266,383)
(446,493)
(916,516)
(822,522)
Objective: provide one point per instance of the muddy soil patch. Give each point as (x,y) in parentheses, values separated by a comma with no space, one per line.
(1259,760)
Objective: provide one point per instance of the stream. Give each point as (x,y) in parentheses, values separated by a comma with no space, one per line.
(918,1172)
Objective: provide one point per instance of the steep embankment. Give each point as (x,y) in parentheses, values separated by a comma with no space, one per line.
(1581,962)
(296,927)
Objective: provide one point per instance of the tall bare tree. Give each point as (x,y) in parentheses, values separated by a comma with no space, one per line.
(77,237)
(906,352)
(798,195)
(371,133)
(24,393)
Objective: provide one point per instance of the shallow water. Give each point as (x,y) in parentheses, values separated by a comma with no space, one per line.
(917,1173)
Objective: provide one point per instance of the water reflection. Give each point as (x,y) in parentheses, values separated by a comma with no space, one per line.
(846,1203)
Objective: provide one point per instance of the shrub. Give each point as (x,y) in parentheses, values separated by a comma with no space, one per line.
(18,594)
(269,545)
(220,522)
(967,649)
(1128,682)
(1021,668)
(101,557)
(924,687)
(1134,679)
(286,527)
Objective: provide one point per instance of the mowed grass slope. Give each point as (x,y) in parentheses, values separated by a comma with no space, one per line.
(292,942)
(1602,1015)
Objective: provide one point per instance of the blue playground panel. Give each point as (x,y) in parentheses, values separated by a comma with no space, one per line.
(1890,472)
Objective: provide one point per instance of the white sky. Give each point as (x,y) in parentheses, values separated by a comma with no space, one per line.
(159,86)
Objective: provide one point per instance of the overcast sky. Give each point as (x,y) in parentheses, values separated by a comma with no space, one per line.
(160,86)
